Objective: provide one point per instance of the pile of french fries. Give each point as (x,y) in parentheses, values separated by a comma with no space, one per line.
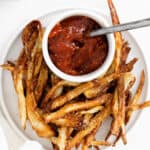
(70,114)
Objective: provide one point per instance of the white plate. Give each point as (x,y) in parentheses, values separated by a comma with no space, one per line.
(8,96)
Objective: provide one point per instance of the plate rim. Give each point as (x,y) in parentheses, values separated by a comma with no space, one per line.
(3,55)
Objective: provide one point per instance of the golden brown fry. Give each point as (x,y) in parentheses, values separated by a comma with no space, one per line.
(115,109)
(118,36)
(30,35)
(138,106)
(121,96)
(38,63)
(37,122)
(76,107)
(86,119)
(91,137)
(129,66)
(118,101)
(60,101)
(136,96)
(129,81)
(92,110)
(8,67)
(97,91)
(18,74)
(125,52)
(42,80)
(84,145)
(61,140)
(114,16)
(102,143)
(53,92)
(98,119)
(21,98)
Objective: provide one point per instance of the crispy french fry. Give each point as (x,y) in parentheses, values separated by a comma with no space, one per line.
(135,107)
(76,107)
(125,52)
(30,35)
(118,101)
(41,83)
(98,90)
(136,96)
(102,143)
(21,98)
(38,63)
(118,36)
(37,122)
(8,67)
(115,109)
(84,146)
(121,96)
(86,119)
(92,110)
(129,66)
(61,141)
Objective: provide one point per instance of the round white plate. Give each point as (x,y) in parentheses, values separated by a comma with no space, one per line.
(8,97)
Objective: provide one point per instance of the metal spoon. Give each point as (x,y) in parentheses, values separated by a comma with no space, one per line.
(121,27)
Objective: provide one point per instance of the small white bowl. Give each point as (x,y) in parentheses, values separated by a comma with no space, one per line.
(89,76)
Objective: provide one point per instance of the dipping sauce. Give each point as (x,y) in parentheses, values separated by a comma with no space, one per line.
(72,50)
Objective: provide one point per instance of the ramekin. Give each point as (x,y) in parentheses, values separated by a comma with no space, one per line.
(86,77)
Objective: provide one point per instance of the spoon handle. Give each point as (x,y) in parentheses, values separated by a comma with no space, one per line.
(121,27)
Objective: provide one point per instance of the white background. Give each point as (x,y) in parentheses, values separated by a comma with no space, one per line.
(14,13)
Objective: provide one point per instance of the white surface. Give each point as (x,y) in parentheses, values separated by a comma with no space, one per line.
(15,13)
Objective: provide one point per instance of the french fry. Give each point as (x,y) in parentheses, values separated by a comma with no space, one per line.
(37,122)
(86,119)
(118,104)
(124,53)
(84,146)
(61,140)
(92,110)
(21,98)
(135,107)
(18,74)
(121,96)
(76,107)
(118,36)
(38,63)
(42,80)
(100,143)
(8,67)
(98,90)
(129,66)
(136,96)
(30,35)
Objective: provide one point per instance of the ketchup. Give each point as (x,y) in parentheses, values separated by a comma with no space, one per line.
(72,50)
